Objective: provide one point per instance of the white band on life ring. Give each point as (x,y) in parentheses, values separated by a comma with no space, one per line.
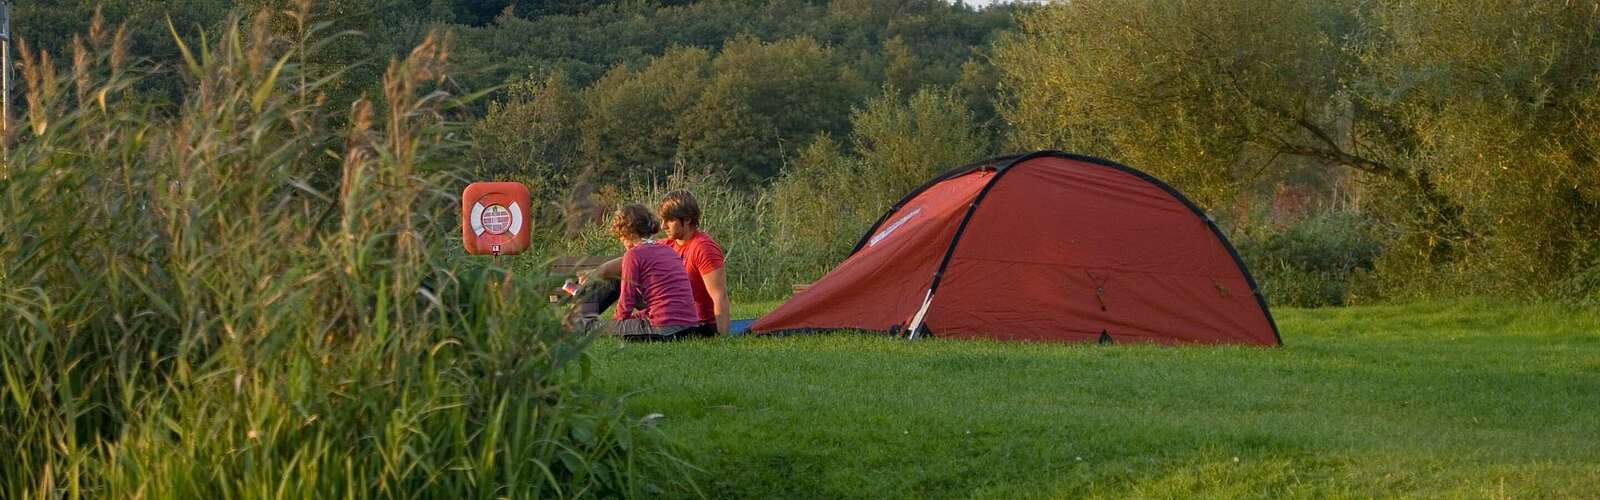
(516,219)
(477,219)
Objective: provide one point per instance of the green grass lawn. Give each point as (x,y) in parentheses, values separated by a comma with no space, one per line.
(1449,399)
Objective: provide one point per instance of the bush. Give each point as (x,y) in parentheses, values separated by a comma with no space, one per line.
(232,298)
(820,209)
(827,198)
(1582,289)
(1315,261)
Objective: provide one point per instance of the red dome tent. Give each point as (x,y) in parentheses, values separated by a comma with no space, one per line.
(1045,246)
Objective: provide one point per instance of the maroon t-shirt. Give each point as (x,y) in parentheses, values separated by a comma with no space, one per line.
(654,273)
(700,256)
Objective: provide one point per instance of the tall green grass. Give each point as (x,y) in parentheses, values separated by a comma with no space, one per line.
(739,221)
(249,294)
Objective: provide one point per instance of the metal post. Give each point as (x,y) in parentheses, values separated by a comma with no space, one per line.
(5,66)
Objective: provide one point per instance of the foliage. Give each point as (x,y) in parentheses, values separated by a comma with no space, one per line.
(593,95)
(1473,137)
(230,296)
(1502,107)
(586,45)
(821,204)
(733,113)
(530,135)
(1582,288)
(820,209)
(480,12)
(732,88)
(51,27)
(1315,261)
(828,198)
(760,98)
(902,144)
(374,31)
(1197,93)
(631,117)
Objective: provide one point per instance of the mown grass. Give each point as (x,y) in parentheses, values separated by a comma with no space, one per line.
(1464,398)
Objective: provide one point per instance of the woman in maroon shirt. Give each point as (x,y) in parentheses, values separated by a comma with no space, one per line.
(655,301)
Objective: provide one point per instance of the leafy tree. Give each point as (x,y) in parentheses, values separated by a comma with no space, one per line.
(1471,134)
(827,197)
(764,96)
(816,209)
(900,67)
(356,38)
(588,44)
(632,118)
(903,143)
(732,114)
(51,26)
(532,136)
(480,12)
(1498,104)
(1202,94)
(979,83)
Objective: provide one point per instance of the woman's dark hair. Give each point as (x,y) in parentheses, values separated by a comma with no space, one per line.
(634,220)
(680,205)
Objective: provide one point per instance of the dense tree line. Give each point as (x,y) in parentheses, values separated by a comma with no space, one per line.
(630,88)
(904,42)
(1461,157)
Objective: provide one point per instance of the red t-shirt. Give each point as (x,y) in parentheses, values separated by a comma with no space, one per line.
(700,256)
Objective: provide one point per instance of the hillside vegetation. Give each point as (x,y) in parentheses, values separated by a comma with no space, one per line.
(1352,156)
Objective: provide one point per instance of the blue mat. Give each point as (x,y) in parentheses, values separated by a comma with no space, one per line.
(739,326)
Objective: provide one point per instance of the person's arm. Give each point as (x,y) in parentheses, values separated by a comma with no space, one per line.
(610,270)
(717,288)
(628,270)
(710,263)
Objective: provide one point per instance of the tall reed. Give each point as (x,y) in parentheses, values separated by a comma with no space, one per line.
(248,293)
(741,222)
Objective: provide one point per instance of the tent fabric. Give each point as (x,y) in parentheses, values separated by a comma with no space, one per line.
(1046,246)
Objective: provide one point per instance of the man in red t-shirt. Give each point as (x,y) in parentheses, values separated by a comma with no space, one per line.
(702,259)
